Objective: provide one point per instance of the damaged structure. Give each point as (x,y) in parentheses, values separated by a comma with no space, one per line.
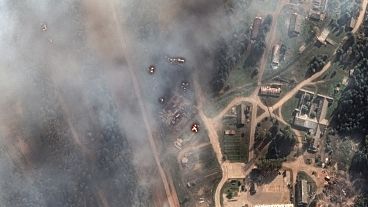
(256,27)
(311,114)
(275,57)
(177,112)
(295,26)
(176,60)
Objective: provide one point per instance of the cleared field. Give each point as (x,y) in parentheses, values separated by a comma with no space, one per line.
(276,191)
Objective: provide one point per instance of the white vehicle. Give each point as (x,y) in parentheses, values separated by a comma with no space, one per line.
(176,60)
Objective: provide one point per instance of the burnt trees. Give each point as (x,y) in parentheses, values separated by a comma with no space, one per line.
(226,56)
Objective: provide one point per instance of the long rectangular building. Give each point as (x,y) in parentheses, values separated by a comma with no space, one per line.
(303,194)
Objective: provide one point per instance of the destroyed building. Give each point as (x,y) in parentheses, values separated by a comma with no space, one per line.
(256,27)
(177,112)
(322,38)
(275,57)
(295,26)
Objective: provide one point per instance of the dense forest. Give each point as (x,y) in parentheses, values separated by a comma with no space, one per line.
(351,115)
(227,55)
(360,160)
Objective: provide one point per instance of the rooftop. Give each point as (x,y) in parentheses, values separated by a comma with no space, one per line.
(270,90)
(303,192)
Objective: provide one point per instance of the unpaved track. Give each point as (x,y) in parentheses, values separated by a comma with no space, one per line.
(114,43)
(291,93)
(299,163)
(270,40)
(214,139)
(254,99)
(170,190)
(360,19)
(294,91)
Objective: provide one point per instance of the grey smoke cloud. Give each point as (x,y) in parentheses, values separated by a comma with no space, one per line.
(71,131)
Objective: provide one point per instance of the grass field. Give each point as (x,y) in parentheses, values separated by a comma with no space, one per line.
(329,82)
(288,109)
(234,148)
(240,76)
(217,104)
(207,174)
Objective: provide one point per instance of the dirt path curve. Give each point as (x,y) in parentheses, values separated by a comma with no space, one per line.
(229,170)
(361,16)
(295,90)
(254,99)
(123,44)
(300,165)
(291,93)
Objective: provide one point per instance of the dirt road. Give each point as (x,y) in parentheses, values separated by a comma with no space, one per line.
(254,99)
(270,40)
(294,91)
(360,19)
(229,170)
(123,48)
